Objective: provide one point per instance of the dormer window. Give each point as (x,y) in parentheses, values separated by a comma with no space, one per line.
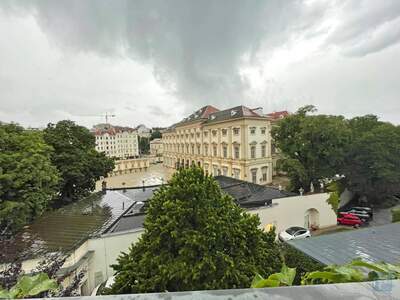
(233,112)
(212,117)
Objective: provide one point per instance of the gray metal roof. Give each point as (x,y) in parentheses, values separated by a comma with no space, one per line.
(374,244)
(346,291)
(249,194)
(66,228)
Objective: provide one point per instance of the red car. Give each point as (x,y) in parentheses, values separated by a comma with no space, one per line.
(349,219)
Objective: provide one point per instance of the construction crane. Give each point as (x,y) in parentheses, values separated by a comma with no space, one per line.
(106,116)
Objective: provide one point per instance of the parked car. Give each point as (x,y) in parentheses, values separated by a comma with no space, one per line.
(368,210)
(349,219)
(138,208)
(294,233)
(363,215)
(106,284)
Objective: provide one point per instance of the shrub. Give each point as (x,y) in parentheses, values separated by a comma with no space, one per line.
(395,215)
(195,238)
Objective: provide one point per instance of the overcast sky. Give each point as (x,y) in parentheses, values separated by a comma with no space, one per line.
(154,62)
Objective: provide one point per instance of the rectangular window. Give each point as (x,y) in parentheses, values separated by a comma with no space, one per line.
(225,151)
(225,171)
(264,173)
(273,148)
(214,133)
(254,175)
(215,170)
(237,152)
(252,130)
(263,130)
(205,133)
(215,150)
(198,149)
(192,149)
(235,131)
(206,150)
(224,131)
(236,173)
(198,134)
(253,151)
(263,150)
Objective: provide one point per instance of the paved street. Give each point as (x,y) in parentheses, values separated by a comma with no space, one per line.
(153,175)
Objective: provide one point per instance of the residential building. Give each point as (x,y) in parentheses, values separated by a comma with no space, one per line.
(235,142)
(156,147)
(116,141)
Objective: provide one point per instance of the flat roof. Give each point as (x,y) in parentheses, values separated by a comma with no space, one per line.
(373,244)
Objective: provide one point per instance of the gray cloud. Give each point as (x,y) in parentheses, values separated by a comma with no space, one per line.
(195,47)
(195,50)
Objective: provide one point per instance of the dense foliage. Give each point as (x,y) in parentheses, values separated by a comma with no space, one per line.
(75,157)
(355,271)
(363,149)
(314,146)
(43,281)
(195,238)
(301,262)
(28,180)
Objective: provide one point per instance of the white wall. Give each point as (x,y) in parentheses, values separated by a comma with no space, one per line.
(290,211)
(106,249)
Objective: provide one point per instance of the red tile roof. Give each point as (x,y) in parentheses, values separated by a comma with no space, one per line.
(112,130)
(277,115)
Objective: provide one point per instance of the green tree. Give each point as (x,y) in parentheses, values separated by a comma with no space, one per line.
(195,238)
(144,145)
(313,146)
(79,164)
(155,134)
(372,161)
(28,180)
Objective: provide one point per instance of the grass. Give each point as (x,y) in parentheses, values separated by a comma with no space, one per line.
(395,214)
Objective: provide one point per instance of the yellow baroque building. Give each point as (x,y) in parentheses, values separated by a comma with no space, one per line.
(235,142)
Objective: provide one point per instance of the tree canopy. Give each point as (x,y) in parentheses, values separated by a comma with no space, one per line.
(28,180)
(75,157)
(195,238)
(363,149)
(313,146)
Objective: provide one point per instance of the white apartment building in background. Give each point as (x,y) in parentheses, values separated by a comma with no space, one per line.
(116,141)
(235,142)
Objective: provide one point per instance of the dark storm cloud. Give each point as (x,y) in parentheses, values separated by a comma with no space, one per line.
(198,51)
(195,47)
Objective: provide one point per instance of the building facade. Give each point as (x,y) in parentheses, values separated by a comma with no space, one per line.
(116,141)
(156,147)
(235,142)
(128,166)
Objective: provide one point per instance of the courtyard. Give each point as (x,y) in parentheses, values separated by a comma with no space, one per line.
(155,174)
